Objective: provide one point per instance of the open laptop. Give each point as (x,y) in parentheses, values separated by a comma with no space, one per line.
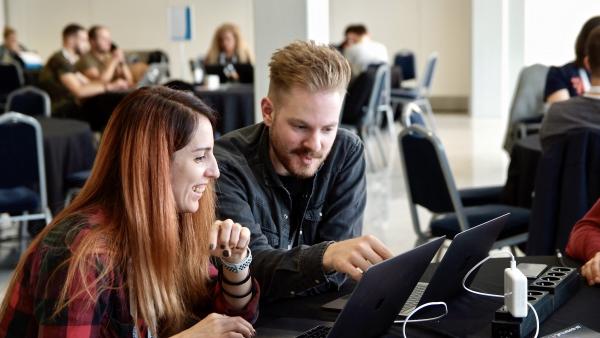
(376,300)
(467,249)
(245,72)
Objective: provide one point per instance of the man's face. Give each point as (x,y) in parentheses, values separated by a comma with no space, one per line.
(102,42)
(302,129)
(81,42)
(352,38)
(11,42)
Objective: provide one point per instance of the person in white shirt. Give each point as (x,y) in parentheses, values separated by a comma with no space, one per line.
(361,50)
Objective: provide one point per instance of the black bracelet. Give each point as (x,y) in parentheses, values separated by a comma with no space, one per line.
(238,296)
(228,282)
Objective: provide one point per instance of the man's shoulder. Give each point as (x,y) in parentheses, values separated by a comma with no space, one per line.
(347,138)
(239,145)
(87,60)
(58,62)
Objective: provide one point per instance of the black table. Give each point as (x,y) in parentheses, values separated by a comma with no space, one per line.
(68,148)
(234,104)
(468,315)
(520,181)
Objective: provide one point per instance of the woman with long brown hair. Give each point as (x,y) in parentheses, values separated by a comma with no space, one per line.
(228,46)
(131,256)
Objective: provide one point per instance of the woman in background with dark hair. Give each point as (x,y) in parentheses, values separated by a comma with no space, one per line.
(131,256)
(571,79)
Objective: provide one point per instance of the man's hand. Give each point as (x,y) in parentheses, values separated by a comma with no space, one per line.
(354,256)
(591,270)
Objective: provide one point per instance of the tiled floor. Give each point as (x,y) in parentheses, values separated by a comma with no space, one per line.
(473,147)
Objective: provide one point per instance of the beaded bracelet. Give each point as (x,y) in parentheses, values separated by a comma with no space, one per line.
(238,267)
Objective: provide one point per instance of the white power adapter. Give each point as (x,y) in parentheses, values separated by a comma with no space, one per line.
(515,291)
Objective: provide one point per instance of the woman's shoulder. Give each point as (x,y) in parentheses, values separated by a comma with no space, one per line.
(68,232)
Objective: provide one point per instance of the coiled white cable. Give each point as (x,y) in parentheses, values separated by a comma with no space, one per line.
(417,309)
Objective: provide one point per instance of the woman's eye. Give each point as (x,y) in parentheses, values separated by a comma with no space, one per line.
(200,158)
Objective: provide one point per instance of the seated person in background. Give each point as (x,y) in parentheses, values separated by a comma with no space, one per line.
(580,111)
(10,48)
(104,62)
(584,244)
(65,85)
(131,255)
(228,48)
(361,51)
(572,78)
(297,181)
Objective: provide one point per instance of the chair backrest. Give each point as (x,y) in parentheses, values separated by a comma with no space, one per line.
(22,154)
(412,114)
(528,99)
(379,99)
(357,97)
(11,78)
(428,72)
(29,100)
(427,174)
(405,59)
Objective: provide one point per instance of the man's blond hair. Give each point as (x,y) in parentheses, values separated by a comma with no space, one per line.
(308,65)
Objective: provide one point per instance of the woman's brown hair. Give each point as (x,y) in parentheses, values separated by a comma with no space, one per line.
(241,50)
(164,255)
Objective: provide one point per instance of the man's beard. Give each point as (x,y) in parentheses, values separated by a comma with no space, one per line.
(286,158)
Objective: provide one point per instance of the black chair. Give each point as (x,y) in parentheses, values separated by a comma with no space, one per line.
(405,59)
(420,93)
(29,100)
(366,106)
(412,114)
(22,175)
(430,184)
(74,182)
(11,78)
(567,184)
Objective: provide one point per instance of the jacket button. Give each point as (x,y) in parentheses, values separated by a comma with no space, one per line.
(285,216)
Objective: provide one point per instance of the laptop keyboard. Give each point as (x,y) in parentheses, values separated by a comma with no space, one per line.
(413,299)
(316,332)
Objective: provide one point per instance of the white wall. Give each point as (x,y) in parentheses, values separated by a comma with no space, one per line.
(2,20)
(423,26)
(551,27)
(135,24)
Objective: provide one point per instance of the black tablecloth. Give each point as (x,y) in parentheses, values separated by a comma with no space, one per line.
(234,104)
(468,315)
(520,180)
(68,148)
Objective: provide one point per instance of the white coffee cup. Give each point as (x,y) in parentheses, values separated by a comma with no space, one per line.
(212,81)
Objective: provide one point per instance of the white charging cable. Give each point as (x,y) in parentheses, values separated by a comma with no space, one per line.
(513,262)
(537,320)
(417,309)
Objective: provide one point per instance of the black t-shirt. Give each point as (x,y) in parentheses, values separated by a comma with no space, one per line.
(564,77)
(299,190)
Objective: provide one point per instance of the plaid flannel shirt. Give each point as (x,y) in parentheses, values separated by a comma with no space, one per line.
(33,299)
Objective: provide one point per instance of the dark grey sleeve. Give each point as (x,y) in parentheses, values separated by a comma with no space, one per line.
(280,273)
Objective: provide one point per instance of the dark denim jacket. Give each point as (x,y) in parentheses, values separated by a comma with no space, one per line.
(250,193)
